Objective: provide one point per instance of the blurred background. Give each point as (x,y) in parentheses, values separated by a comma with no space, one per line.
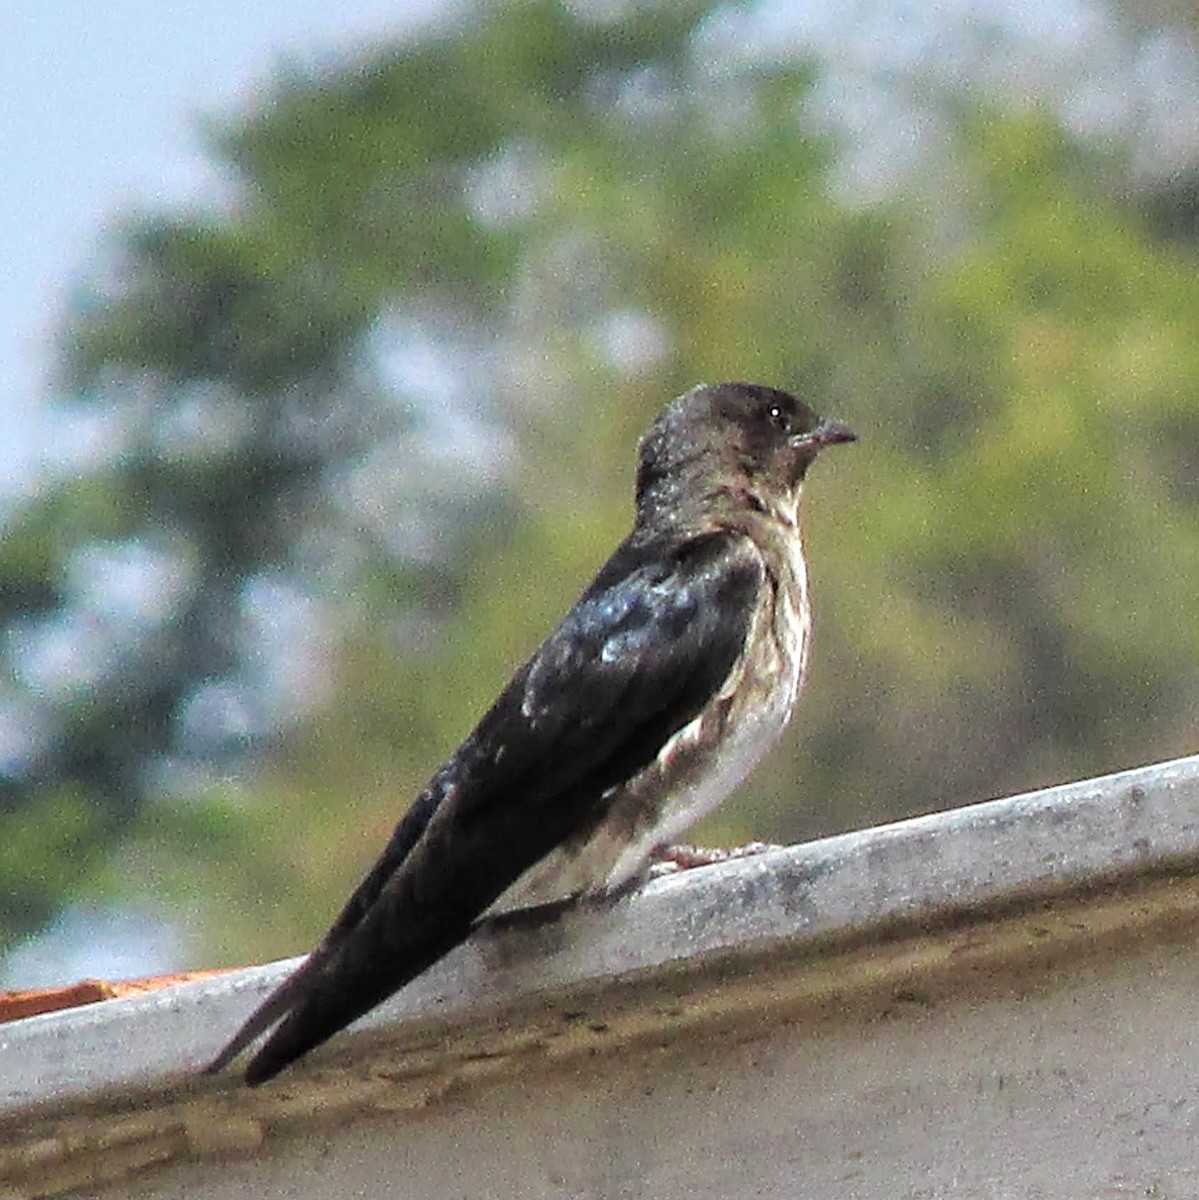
(322,406)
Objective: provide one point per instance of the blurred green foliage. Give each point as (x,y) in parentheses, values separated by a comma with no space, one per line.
(582,219)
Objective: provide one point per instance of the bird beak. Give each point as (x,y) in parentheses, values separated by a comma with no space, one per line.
(828,433)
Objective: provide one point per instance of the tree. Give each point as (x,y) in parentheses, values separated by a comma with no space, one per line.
(392,395)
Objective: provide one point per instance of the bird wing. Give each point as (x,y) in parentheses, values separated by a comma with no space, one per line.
(645,648)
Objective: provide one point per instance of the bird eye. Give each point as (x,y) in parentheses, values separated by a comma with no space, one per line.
(779,418)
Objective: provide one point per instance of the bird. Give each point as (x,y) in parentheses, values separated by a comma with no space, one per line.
(653,698)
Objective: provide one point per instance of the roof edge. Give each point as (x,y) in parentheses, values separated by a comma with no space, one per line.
(849,887)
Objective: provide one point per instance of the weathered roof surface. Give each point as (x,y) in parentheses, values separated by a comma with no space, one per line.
(91,1093)
(33,1002)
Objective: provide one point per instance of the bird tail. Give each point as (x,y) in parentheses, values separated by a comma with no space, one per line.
(361,974)
(358,966)
(298,987)
(289,993)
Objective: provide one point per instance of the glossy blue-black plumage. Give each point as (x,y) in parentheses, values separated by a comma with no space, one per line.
(664,627)
(632,663)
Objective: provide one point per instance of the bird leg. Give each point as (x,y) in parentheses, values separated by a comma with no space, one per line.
(668,860)
(664,860)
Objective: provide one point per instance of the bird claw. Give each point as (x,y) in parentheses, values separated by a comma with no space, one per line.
(669,860)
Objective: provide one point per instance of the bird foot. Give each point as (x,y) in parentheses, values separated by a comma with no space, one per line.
(669,860)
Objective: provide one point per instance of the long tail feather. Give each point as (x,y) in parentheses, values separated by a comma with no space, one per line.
(360,975)
(281,1001)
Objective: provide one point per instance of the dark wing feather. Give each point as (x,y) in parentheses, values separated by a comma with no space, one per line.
(285,996)
(646,647)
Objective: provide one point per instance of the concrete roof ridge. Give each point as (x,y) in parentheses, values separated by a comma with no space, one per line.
(1039,844)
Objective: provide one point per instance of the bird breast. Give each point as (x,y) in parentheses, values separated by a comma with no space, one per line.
(714,753)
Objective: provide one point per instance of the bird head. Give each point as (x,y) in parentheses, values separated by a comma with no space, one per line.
(740,441)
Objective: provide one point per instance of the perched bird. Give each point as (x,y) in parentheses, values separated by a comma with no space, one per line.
(656,695)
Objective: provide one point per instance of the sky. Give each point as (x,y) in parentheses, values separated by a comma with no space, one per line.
(99,110)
